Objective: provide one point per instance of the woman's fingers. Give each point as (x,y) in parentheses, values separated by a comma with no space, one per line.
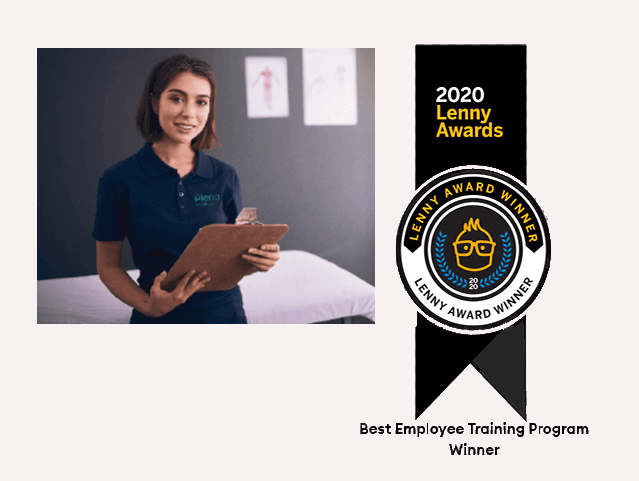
(258,263)
(179,289)
(188,285)
(159,278)
(270,251)
(197,283)
(163,301)
(263,258)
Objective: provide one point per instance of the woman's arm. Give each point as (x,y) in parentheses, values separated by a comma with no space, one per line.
(159,302)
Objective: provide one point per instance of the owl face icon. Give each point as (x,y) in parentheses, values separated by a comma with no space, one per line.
(474,247)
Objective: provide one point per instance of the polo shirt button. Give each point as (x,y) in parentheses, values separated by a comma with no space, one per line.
(181,194)
(180,182)
(181,207)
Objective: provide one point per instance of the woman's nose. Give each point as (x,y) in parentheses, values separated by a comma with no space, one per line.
(188,110)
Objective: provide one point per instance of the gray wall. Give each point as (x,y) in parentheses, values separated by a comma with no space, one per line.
(318,180)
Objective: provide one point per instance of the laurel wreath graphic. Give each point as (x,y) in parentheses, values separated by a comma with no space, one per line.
(443,266)
(503,265)
(459,281)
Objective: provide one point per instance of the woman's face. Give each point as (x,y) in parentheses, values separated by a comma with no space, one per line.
(183,108)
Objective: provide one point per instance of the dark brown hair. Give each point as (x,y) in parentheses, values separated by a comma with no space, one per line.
(146,120)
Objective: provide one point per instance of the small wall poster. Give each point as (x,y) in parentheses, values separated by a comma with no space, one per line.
(330,86)
(266,87)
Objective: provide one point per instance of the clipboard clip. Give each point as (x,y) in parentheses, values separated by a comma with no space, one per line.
(248,216)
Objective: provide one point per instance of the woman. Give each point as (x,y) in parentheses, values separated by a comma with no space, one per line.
(160,197)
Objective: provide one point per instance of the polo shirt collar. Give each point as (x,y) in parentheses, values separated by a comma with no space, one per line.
(204,166)
(153,166)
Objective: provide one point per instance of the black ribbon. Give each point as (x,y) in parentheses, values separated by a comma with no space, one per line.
(500,72)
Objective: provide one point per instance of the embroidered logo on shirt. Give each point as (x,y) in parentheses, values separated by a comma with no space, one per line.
(202,200)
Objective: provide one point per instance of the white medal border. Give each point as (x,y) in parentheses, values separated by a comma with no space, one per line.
(532,267)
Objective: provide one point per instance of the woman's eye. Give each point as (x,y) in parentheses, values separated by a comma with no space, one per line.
(203,103)
(176,99)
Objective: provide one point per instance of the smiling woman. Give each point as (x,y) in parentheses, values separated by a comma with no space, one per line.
(165,80)
(182,111)
(152,199)
(182,108)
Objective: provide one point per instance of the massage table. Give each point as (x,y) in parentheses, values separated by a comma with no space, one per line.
(301,288)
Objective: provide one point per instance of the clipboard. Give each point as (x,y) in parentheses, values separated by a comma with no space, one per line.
(217,249)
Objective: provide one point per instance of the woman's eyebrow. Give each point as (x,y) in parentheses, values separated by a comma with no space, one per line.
(184,93)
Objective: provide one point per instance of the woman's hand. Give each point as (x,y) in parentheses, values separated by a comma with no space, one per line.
(263,258)
(163,301)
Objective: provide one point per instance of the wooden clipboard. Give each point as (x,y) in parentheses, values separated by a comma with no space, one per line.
(217,249)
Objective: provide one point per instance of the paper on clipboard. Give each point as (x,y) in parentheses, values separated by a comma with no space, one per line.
(217,249)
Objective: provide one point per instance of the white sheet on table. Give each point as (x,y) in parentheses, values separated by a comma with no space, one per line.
(301,288)
(80,300)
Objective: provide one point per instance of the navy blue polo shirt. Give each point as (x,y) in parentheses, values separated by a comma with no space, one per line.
(145,200)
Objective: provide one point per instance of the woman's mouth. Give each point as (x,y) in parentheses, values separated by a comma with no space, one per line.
(185,127)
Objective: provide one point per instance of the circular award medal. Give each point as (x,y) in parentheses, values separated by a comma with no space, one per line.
(473,250)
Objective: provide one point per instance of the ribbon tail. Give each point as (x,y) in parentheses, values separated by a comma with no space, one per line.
(441,356)
(503,365)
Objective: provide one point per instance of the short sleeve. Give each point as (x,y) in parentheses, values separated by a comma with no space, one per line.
(111,218)
(234,206)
